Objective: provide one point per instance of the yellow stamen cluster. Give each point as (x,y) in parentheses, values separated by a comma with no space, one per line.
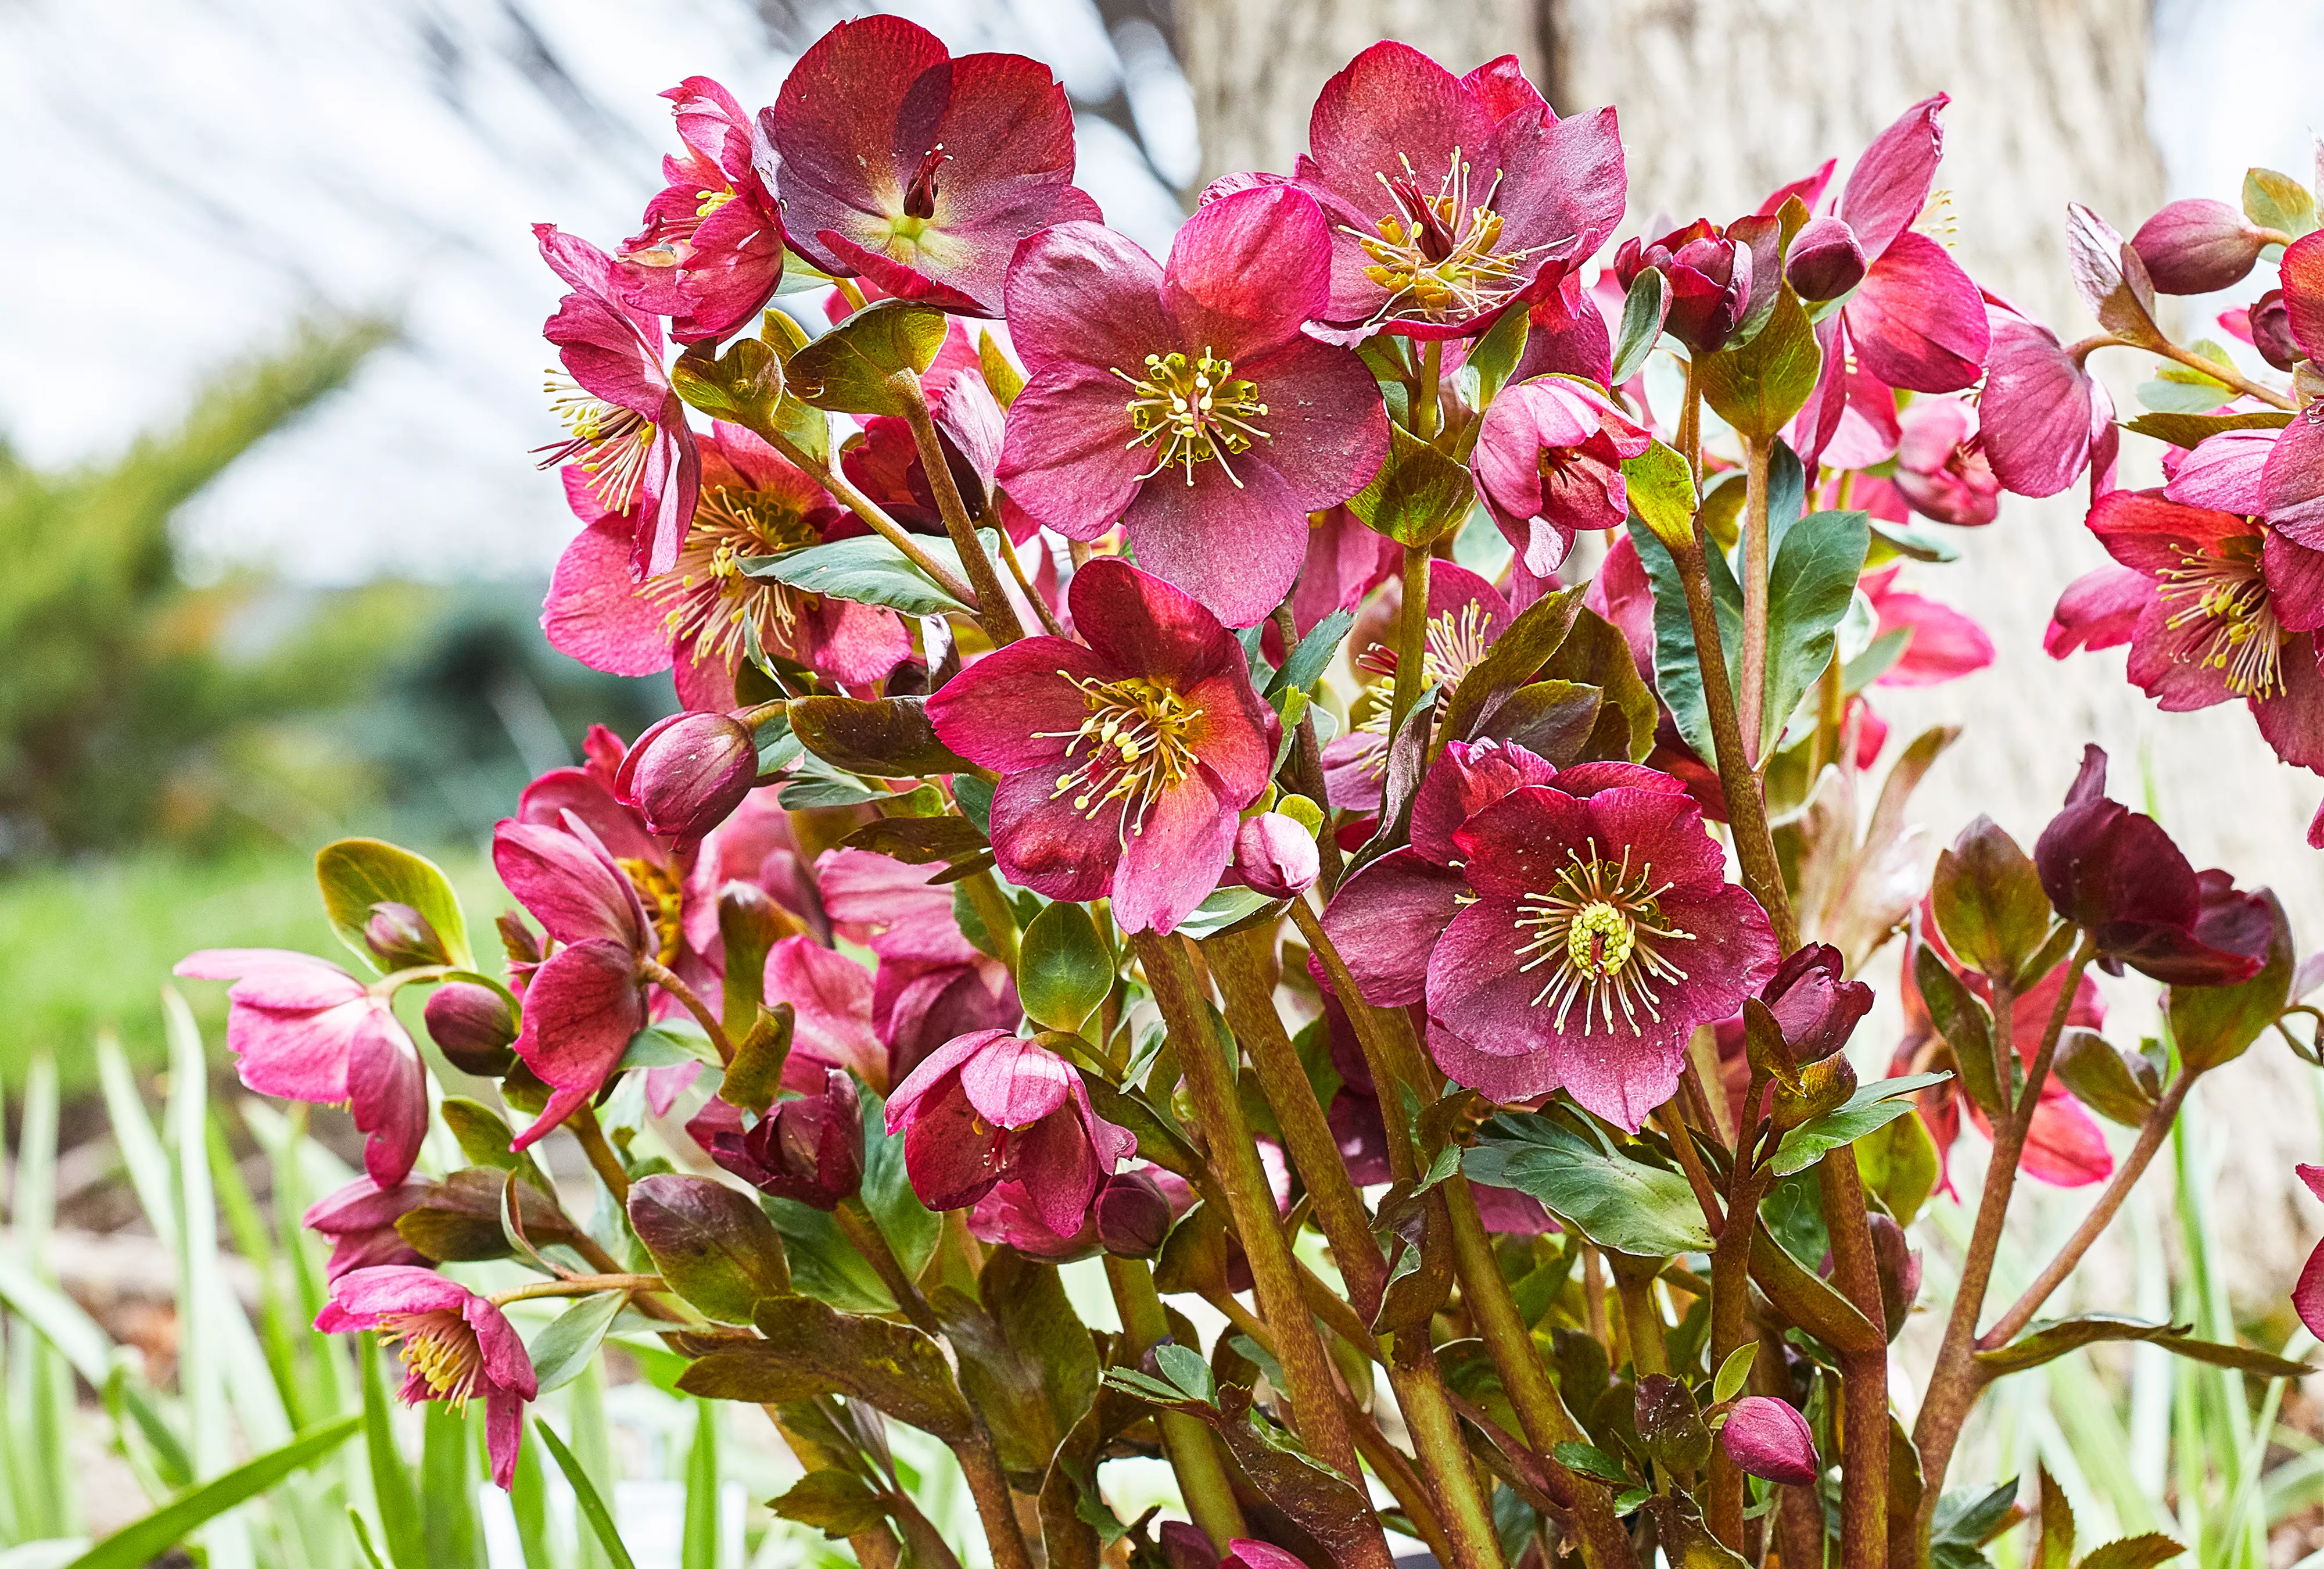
(1451,646)
(438,1346)
(1601,928)
(713,604)
(1138,741)
(1193,411)
(664,897)
(2229,591)
(610,442)
(1435,254)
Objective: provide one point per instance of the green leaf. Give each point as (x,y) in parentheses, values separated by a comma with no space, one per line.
(2106,1080)
(1513,659)
(838,1503)
(1064,972)
(448,1499)
(1616,1202)
(1185,1368)
(142,1541)
(2057,1523)
(1002,379)
(1590,1461)
(811,1349)
(2212,1025)
(715,1246)
(1733,1373)
(667,1043)
(562,1349)
(1900,1163)
(884,737)
(2141,1552)
(358,873)
(1492,357)
(1964,1023)
(1417,495)
(1026,1363)
(362,1538)
(1678,676)
(918,841)
(1555,720)
(1809,589)
(1661,486)
(698,1549)
(1308,661)
(743,385)
(391,1482)
(485,1139)
(1643,309)
(1872,1107)
(57,1318)
(853,368)
(974,797)
(2048,1340)
(1759,386)
(1892,540)
(1988,900)
(2192,430)
(1227,906)
(585,1499)
(1595,654)
(865,569)
(2278,201)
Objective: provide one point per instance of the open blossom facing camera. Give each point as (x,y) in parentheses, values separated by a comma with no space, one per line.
(1449,197)
(1184,400)
(455,1347)
(1125,760)
(901,163)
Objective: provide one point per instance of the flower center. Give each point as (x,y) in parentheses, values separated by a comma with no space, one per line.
(1451,646)
(610,442)
(920,195)
(1138,740)
(441,1349)
(1601,933)
(1435,254)
(712,603)
(1190,412)
(2244,639)
(664,897)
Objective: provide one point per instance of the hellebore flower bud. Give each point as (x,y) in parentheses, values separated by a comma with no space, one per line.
(517,940)
(1276,856)
(1133,1215)
(1184,1546)
(2197,245)
(1708,277)
(1767,1439)
(688,772)
(1245,1554)
(473,1026)
(1898,1264)
(401,937)
(1825,261)
(2271,331)
(1816,1010)
(810,1149)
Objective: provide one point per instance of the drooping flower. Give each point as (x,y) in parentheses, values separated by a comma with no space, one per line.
(931,983)
(1451,198)
(2115,874)
(457,1346)
(1768,1439)
(1942,471)
(809,1148)
(991,1107)
(1184,399)
(305,1029)
(2308,1294)
(473,1026)
(1567,928)
(886,467)
(1548,465)
(900,163)
(830,997)
(2294,477)
(2226,607)
(701,611)
(360,1219)
(2043,419)
(1815,1009)
(1126,759)
(625,426)
(1941,644)
(1276,856)
(712,249)
(2198,246)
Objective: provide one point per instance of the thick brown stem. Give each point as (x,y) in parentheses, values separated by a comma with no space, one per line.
(994,614)
(1730,1281)
(875,516)
(1752,677)
(1411,640)
(2151,1135)
(1462,1507)
(1250,1201)
(1864,1377)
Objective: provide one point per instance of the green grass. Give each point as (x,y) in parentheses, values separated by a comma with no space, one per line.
(87,947)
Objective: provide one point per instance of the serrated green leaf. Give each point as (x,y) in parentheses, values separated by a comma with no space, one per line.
(1810,587)
(1759,386)
(1591,1460)
(1643,309)
(1417,495)
(865,569)
(356,874)
(1661,488)
(853,368)
(1615,1201)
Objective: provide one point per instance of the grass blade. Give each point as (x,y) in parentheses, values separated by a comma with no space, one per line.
(700,1547)
(447,1489)
(141,1541)
(362,1538)
(390,1483)
(142,1154)
(40,1386)
(528,1502)
(584,1411)
(585,1496)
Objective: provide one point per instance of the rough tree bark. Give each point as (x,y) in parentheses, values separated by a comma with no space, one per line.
(1722,99)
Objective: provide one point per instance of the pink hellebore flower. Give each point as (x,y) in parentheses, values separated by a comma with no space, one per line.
(1915,320)
(931,984)
(831,998)
(455,1346)
(1707,277)
(2043,419)
(625,425)
(712,249)
(1568,928)
(898,163)
(1768,1439)
(2215,606)
(1126,761)
(360,1221)
(701,610)
(991,1107)
(2294,477)
(305,1029)
(1450,197)
(1549,464)
(1941,645)
(885,465)
(1184,400)
(1465,614)
(2307,1295)
(1941,470)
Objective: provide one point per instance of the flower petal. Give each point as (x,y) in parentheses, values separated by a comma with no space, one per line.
(1174,854)
(1917,322)
(1384,920)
